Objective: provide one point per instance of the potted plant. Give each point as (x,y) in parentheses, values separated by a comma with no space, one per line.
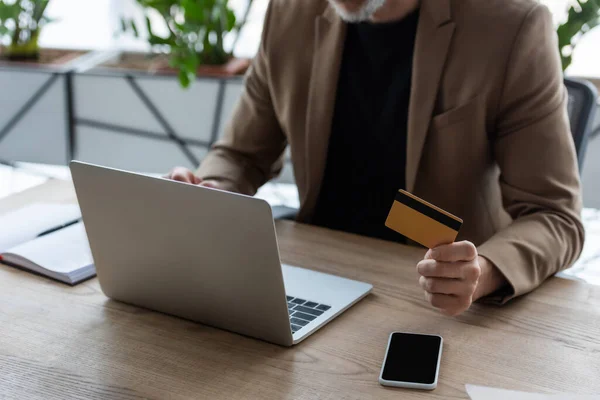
(22,22)
(135,102)
(195,41)
(34,123)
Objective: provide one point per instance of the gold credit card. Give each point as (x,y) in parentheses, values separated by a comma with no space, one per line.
(421,221)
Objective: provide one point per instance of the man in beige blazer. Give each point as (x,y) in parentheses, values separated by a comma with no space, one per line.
(486,134)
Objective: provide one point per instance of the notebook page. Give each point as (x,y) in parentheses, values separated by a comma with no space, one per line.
(26,223)
(63,251)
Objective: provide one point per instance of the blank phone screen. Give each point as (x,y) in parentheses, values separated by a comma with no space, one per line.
(412,358)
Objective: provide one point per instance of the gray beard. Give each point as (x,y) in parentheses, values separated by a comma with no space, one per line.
(363,14)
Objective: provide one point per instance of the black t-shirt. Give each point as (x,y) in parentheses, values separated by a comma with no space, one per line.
(366,160)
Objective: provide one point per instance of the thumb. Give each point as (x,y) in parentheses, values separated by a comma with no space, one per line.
(209,184)
(428,255)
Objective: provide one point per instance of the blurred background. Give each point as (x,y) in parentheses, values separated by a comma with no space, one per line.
(95,23)
(146,85)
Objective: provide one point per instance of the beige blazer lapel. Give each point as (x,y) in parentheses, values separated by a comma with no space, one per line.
(329,45)
(434,35)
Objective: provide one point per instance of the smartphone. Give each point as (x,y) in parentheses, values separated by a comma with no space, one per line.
(412,361)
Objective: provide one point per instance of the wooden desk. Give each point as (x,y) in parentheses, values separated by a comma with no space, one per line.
(59,342)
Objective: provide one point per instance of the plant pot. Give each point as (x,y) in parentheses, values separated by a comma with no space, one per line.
(29,51)
(234,67)
(34,107)
(41,58)
(155,63)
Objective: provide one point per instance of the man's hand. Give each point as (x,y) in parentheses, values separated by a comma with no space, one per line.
(182,174)
(454,276)
(449,276)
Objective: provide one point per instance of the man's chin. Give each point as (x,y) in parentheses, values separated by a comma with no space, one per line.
(356,10)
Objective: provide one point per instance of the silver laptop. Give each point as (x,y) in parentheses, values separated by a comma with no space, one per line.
(202,254)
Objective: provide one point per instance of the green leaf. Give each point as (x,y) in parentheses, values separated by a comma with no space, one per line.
(193,10)
(191,62)
(149,26)
(10,11)
(123,25)
(162,6)
(579,21)
(230,21)
(196,32)
(134,28)
(39,9)
(157,40)
(184,79)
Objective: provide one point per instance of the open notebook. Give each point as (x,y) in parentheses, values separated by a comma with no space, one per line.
(48,239)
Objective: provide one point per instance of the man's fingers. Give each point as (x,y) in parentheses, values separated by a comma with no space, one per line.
(428,255)
(459,251)
(449,276)
(447,286)
(182,177)
(210,184)
(182,174)
(444,301)
(436,269)
(448,304)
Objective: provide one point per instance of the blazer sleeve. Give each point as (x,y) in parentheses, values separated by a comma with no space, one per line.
(251,150)
(539,176)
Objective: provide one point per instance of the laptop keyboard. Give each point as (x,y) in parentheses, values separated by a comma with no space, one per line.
(303,311)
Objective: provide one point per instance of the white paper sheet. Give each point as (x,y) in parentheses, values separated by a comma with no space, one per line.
(26,223)
(489,393)
(64,251)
